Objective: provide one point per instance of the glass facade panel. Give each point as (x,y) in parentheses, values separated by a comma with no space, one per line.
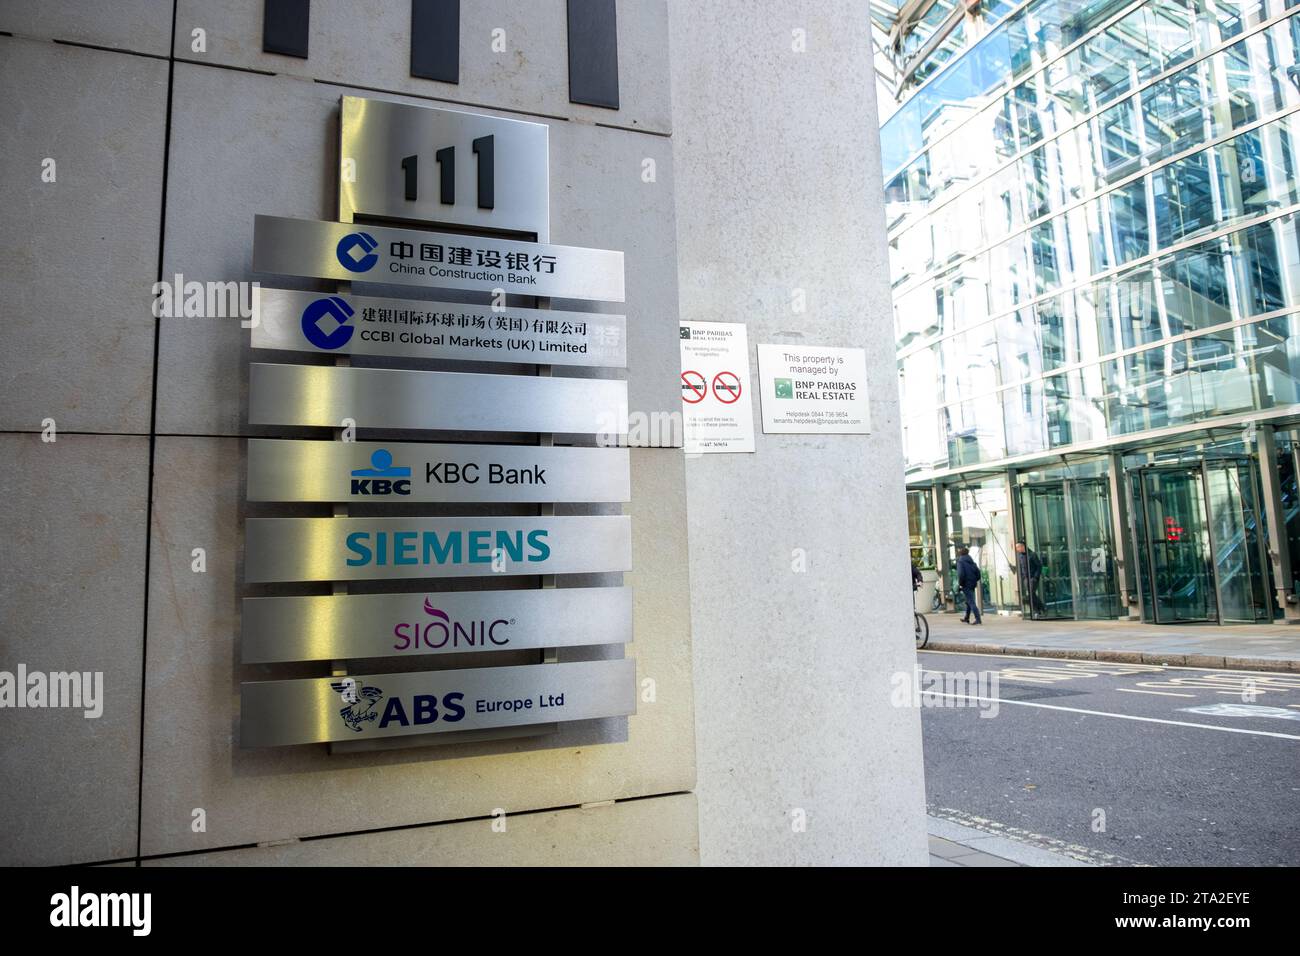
(920,527)
(979,518)
(1176,542)
(999,383)
(1155,121)
(1235,536)
(1093,245)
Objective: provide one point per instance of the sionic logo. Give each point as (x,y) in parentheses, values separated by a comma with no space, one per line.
(335,309)
(75,908)
(353,243)
(442,632)
(382,477)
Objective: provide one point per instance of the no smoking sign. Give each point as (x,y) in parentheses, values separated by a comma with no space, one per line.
(726,387)
(715,362)
(693,388)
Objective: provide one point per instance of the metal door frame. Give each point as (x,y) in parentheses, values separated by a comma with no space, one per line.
(1198,469)
(1072,532)
(1202,468)
(1261,555)
(1071,536)
(1026,518)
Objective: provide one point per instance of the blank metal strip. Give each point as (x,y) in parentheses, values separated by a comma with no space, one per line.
(593,53)
(285,24)
(435,40)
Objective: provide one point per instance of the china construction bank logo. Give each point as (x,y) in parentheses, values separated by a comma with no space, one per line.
(326,323)
(356,252)
(362,707)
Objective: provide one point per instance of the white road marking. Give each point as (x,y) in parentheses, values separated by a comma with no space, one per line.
(1068,660)
(1102,713)
(1157,693)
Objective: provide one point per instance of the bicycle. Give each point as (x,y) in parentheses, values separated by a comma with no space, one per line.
(922,630)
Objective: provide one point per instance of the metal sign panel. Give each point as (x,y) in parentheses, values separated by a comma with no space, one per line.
(439,165)
(451,401)
(365,253)
(364,706)
(355,549)
(415,328)
(717,409)
(812,389)
(349,626)
(407,471)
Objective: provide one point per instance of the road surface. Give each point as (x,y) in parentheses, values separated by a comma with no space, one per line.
(1116,764)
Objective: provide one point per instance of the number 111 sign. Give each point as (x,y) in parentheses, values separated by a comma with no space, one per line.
(439,166)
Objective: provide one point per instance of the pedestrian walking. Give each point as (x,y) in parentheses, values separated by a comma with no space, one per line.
(968,580)
(1029,568)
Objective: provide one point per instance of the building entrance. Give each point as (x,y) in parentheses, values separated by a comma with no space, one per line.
(1068,531)
(1200,543)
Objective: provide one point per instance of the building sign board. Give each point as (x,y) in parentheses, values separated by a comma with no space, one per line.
(469,194)
(415,328)
(717,408)
(439,165)
(324,627)
(451,401)
(365,253)
(808,389)
(358,549)
(358,707)
(284,470)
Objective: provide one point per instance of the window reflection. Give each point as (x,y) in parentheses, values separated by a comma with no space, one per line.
(1111,279)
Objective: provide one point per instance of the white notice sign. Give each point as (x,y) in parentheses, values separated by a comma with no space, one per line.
(811,389)
(717,409)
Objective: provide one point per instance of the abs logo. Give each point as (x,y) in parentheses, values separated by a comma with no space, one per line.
(382,477)
(348,248)
(334,308)
(359,703)
(362,707)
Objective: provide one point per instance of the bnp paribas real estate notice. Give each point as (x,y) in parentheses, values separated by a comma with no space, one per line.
(717,408)
(808,389)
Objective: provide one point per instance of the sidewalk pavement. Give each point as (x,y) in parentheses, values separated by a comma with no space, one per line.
(1257,647)
(953,844)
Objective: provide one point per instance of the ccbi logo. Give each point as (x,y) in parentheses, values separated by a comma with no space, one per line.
(382,477)
(361,707)
(442,632)
(332,308)
(356,253)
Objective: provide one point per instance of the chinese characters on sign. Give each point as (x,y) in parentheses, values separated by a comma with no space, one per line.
(406,161)
(361,325)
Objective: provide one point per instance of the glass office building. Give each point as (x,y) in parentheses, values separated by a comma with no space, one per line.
(1092,214)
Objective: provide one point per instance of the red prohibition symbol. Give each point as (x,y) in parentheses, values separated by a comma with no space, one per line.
(726,387)
(693,388)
